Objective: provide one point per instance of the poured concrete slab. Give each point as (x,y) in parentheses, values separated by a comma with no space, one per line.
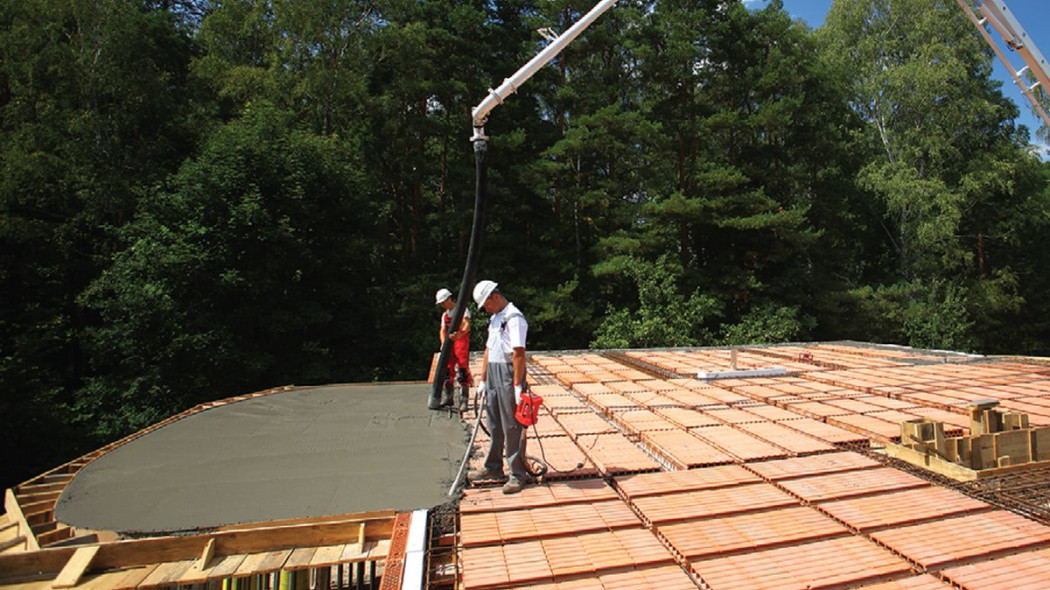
(306,452)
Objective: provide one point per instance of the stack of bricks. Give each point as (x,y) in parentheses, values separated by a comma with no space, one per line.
(997,439)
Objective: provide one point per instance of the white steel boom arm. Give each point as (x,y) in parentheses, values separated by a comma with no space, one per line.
(510,85)
(998,16)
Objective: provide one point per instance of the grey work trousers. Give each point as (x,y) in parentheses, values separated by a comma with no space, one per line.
(503,427)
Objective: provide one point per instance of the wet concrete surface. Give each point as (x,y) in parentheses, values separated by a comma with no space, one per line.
(307,452)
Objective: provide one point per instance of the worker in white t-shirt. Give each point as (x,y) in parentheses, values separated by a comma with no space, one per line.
(503,377)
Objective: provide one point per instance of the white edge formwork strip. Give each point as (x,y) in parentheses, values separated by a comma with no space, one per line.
(415,552)
(742,373)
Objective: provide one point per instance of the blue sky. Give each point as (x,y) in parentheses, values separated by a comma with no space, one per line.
(1032,14)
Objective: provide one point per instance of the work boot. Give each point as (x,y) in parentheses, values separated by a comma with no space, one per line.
(464,396)
(513,486)
(485,475)
(446,395)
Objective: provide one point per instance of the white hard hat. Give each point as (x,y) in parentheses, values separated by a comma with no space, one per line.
(482,291)
(441,296)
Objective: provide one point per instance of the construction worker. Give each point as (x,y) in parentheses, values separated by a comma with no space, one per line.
(459,360)
(503,377)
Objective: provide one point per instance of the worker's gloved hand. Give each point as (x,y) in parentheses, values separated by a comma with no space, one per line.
(481,388)
(517,394)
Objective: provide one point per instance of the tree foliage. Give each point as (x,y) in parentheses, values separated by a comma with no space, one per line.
(206,198)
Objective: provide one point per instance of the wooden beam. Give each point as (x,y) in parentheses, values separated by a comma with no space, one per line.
(206,555)
(931,461)
(75,567)
(355,516)
(140,552)
(15,510)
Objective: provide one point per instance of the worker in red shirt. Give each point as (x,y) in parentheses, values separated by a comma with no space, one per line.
(459,360)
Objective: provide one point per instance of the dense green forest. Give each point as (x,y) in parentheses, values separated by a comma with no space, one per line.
(202,198)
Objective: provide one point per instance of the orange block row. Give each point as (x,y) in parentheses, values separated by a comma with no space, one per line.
(812,465)
(712,502)
(832,563)
(686,417)
(755,530)
(638,421)
(666,577)
(690,398)
(596,552)
(484,528)
(729,415)
(897,508)
(666,482)
(868,425)
(607,402)
(742,446)
(923,582)
(651,399)
(825,432)
(563,457)
(684,450)
(584,422)
(1022,571)
(549,494)
(550,560)
(833,486)
(944,542)
(613,453)
(772,413)
(786,438)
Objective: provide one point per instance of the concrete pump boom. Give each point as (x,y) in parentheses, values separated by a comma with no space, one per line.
(510,85)
(998,16)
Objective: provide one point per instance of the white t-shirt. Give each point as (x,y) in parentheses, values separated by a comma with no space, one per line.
(507,331)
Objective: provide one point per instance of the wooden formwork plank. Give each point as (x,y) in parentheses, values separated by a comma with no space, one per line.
(222,567)
(14,510)
(300,558)
(165,574)
(273,561)
(132,553)
(328,555)
(75,567)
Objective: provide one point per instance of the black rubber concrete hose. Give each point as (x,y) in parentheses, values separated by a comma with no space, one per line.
(473,254)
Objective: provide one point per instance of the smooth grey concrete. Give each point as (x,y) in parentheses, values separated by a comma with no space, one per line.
(308,452)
